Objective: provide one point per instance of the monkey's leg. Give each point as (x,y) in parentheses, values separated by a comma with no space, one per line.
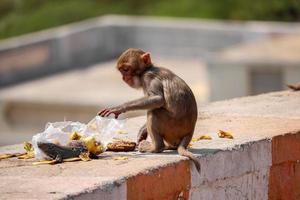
(157,145)
(157,141)
(142,135)
(182,150)
(170,147)
(154,147)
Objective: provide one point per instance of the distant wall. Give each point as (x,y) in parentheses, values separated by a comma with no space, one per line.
(39,54)
(230,79)
(100,39)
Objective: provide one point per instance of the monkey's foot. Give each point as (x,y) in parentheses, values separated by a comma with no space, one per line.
(146,146)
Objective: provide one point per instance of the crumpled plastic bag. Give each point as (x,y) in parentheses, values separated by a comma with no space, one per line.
(103,129)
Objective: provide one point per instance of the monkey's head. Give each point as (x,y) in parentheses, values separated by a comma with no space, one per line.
(132,63)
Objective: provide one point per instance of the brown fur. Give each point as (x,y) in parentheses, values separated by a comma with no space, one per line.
(170,104)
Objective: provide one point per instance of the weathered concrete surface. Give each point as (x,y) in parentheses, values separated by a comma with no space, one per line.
(231,169)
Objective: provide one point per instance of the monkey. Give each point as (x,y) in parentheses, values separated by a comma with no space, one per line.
(170,103)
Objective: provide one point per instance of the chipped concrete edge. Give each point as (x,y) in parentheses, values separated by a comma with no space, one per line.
(180,179)
(247,171)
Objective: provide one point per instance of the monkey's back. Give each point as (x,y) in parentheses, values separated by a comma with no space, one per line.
(179,113)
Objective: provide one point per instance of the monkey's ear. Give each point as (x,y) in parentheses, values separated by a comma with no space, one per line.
(146,58)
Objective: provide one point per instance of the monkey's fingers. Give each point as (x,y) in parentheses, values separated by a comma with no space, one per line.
(112,112)
(116,115)
(101,112)
(107,113)
(104,112)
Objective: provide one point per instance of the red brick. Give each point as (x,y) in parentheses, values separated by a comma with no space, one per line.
(166,183)
(284,181)
(286,148)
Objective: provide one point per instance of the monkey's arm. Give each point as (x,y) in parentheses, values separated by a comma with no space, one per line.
(147,103)
(154,99)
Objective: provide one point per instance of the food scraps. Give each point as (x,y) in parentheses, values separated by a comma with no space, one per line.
(202,137)
(121,132)
(75,136)
(59,153)
(29,151)
(224,134)
(92,145)
(27,155)
(7,155)
(121,145)
(120,158)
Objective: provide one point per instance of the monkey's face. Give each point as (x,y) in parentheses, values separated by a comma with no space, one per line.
(130,75)
(131,64)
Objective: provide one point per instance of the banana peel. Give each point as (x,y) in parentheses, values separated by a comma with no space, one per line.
(93,146)
(225,134)
(75,136)
(45,162)
(121,132)
(71,159)
(29,151)
(202,137)
(90,142)
(120,158)
(27,155)
(84,157)
(7,155)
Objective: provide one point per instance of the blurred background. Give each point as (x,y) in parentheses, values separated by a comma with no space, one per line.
(57,58)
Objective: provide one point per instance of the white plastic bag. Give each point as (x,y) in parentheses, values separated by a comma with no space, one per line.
(103,129)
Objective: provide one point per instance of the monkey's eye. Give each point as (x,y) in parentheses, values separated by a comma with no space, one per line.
(124,70)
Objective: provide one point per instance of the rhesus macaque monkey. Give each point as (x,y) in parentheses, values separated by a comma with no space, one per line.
(170,104)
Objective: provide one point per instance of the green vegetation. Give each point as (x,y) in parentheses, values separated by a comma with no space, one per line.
(22,16)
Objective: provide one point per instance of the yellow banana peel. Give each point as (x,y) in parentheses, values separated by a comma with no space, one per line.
(225,134)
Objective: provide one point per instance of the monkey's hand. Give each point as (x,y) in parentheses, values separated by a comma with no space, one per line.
(108,111)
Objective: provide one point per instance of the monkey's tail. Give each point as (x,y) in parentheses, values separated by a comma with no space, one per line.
(184,152)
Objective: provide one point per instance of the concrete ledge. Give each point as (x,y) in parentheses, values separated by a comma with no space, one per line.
(261,162)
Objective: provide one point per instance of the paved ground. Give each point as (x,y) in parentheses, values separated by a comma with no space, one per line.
(249,119)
